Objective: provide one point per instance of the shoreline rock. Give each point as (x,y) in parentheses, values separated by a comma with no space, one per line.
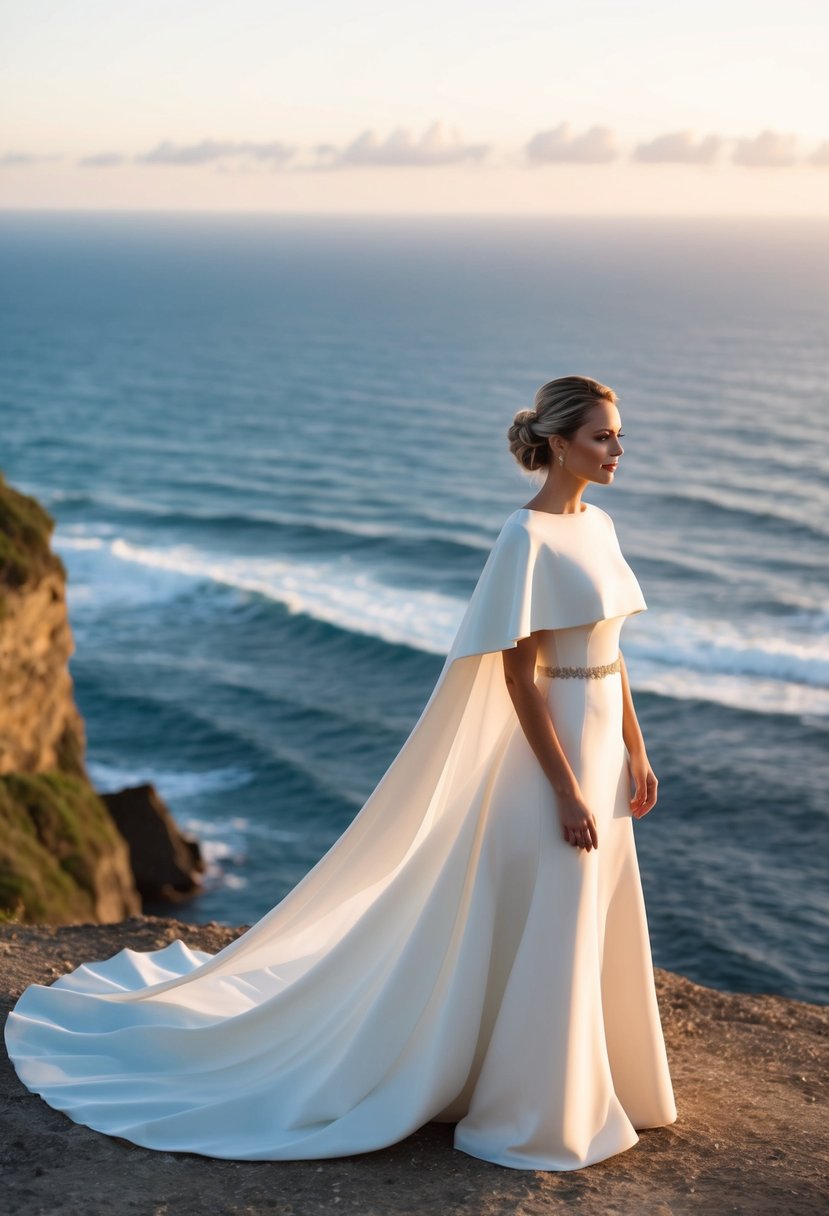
(167,865)
(750,1076)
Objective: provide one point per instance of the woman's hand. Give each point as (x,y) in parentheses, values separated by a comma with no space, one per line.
(645,784)
(578,822)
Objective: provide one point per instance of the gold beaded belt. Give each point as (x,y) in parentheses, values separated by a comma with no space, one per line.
(584,673)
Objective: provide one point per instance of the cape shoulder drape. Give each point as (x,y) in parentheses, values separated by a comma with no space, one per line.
(350,1014)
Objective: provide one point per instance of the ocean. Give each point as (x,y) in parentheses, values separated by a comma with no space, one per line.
(275,451)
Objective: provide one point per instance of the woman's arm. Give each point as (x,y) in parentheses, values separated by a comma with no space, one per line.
(577,821)
(641,773)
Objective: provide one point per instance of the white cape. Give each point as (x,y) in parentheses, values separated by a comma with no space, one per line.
(363,1005)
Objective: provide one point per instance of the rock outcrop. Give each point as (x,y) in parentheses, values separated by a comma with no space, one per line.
(61,857)
(167,864)
(750,1075)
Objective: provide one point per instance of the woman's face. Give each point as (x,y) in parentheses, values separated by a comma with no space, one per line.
(594,450)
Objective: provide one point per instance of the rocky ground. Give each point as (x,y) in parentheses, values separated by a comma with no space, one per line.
(750,1077)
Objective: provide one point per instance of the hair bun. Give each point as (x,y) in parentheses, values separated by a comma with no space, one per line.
(529,449)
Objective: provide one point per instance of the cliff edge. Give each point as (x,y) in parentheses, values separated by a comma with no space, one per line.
(750,1077)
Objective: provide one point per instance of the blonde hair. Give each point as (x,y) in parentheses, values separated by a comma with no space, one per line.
(560,408)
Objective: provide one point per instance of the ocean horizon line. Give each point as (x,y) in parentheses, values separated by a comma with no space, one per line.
(741,217)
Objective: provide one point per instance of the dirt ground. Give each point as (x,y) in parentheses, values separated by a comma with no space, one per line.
(750,1078)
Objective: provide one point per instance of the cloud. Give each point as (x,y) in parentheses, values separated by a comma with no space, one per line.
(436,146)
(820,156)
(211,150)
(12,159)
(768,150)
(444,146)
(102,160)
(678,147)
(596,146)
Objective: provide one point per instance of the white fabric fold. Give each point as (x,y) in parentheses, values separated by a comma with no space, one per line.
(370,999)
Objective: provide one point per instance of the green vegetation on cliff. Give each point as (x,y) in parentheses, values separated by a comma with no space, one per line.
(57,842)
(62,859)
(25,531)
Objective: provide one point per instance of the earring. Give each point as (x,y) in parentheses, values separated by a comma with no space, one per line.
(560,459)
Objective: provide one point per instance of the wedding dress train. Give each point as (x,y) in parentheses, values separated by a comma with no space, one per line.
(450,958)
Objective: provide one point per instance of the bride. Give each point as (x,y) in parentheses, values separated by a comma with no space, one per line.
(474,948)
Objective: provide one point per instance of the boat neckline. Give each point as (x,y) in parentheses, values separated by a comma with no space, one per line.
(559,514)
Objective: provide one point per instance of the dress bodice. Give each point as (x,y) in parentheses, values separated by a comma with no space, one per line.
(551,572)
(580,645)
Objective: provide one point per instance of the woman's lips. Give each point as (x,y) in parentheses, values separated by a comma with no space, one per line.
(610,466)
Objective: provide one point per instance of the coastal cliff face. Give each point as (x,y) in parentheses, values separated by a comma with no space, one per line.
(61,857)
(40,727)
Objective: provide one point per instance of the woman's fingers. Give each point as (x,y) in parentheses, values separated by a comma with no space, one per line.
(645,798)
(646,794)
(583,836)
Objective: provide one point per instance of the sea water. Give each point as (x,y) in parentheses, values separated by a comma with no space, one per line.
(275,451)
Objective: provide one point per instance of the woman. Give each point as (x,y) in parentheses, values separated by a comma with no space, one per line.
(590,442)
(474,948)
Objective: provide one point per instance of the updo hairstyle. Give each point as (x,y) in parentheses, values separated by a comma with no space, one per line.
(561,407)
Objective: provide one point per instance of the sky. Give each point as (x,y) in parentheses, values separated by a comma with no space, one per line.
(592,107)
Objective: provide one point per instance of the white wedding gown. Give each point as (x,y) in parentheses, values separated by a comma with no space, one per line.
(450,958)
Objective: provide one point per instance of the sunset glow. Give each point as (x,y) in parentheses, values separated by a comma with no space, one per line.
(595,108)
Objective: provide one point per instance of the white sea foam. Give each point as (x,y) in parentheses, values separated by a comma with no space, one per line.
(762,665)
(339,592)
(754,694)
(766,664)
(98,579)
(226,843)
(236,829)
(68,541)
(172,785)
(759,648)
